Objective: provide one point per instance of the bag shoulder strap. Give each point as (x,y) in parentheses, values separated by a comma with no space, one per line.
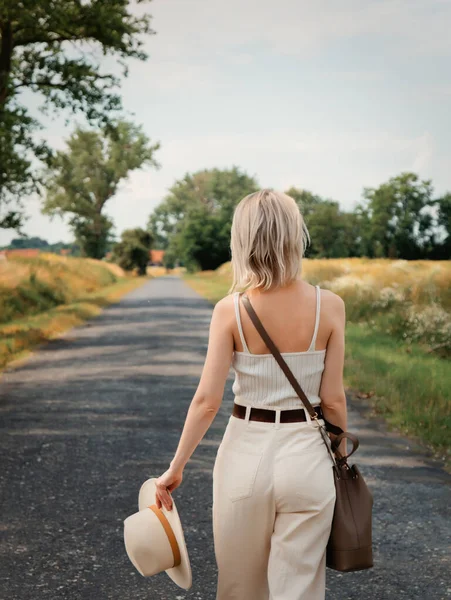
(283,365)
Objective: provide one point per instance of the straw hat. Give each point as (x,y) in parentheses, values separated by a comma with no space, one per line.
(154,539)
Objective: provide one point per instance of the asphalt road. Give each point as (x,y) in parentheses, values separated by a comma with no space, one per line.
(90,416)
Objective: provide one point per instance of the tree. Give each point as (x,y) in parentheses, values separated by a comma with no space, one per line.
(29,242)
(133,250)
(399,218)
(194,221)
(83,178)
(43,245)
(332,231)
(442,248)
(307,201)
(43,49)
(326,225)
(203,241)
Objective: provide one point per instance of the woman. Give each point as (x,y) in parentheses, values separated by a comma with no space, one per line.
(273,487)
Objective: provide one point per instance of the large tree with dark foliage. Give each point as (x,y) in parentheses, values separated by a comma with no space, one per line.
(398,218)
(333,232)
(51,48)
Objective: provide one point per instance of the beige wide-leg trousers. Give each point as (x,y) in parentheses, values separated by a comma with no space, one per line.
(273,503)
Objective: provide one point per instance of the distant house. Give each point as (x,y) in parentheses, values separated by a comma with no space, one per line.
(156,258)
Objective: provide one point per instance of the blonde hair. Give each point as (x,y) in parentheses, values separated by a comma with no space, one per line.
(268,241)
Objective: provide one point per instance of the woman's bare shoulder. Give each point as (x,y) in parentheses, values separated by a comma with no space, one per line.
(332,302)
(225,306)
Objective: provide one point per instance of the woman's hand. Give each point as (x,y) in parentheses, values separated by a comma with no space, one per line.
(168,482)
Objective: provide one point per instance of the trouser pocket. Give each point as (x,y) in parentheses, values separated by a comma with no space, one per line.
(238,472)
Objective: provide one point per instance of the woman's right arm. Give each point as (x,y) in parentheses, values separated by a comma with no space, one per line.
(332,394)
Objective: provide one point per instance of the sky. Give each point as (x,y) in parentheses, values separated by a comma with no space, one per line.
(326,96)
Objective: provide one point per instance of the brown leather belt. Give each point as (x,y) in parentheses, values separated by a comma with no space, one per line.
(269,416)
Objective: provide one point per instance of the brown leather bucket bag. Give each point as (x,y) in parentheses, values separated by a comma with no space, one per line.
(350,543)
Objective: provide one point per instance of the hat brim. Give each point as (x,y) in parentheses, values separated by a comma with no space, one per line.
(181,575)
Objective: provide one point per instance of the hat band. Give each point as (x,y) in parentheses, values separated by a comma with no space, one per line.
(171,536)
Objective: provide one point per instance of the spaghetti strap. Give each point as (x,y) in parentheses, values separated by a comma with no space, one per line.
(318,308)
(238,320)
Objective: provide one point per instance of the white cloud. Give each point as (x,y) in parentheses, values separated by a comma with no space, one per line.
(297,27)
(425,152)
(230,146)
(167,76)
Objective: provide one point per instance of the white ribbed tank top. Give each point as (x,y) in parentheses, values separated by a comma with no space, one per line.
(259,380)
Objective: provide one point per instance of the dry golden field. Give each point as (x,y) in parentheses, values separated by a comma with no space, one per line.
(44,295)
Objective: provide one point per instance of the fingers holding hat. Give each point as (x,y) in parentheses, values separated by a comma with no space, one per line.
(163,497)
(164,485)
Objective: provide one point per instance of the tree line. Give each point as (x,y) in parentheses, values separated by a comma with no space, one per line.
(402,218)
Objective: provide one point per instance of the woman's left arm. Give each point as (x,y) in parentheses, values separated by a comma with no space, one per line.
(205,403)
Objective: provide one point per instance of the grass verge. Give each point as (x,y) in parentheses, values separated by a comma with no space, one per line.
(407,386)
(18,338)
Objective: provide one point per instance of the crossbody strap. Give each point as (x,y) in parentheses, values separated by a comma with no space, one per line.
(292,379)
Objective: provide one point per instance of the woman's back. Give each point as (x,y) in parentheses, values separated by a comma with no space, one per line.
(259,381)
(297,322)
(289,315)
